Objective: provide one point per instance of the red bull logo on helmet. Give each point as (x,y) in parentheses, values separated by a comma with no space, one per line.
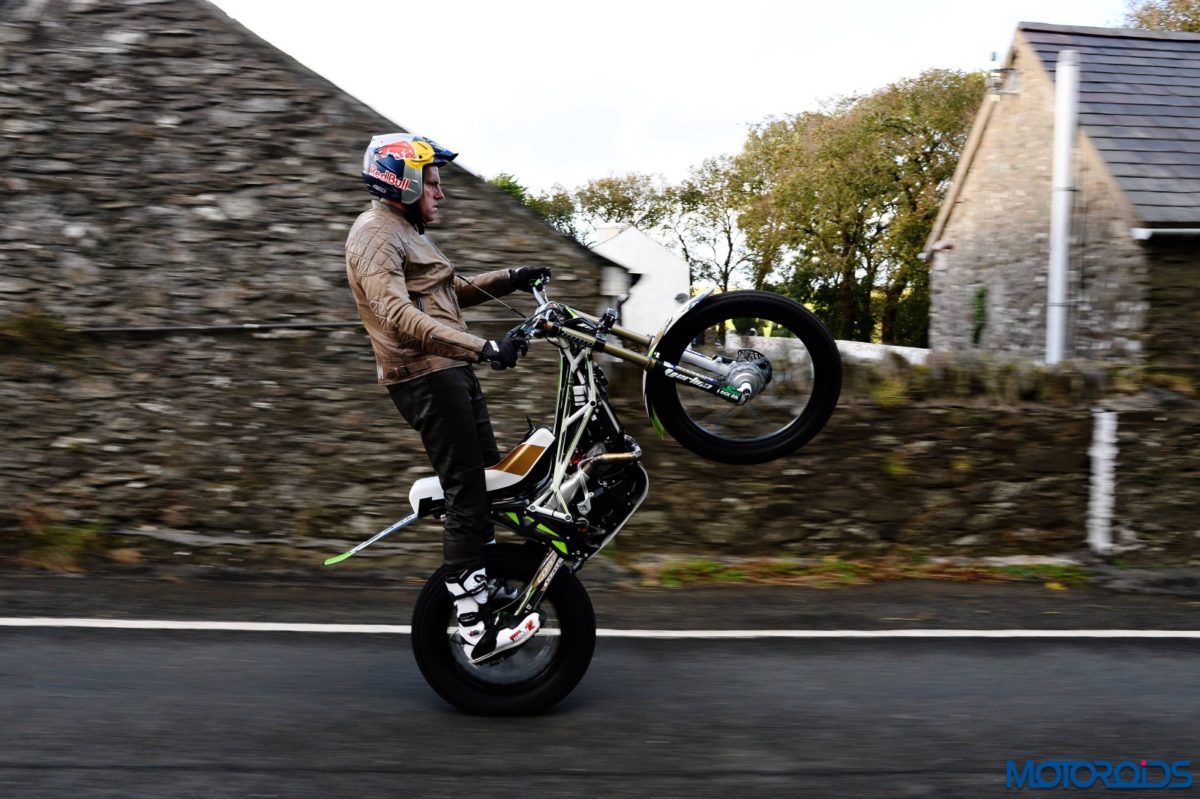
(400,150)
(390,178)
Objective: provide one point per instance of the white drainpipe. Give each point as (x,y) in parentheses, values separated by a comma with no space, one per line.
(1066,117)
(1101,497)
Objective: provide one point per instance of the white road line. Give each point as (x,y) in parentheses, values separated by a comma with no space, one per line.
(907,633)
(404,629)
(222,626)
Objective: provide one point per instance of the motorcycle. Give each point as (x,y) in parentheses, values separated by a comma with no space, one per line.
(740,377)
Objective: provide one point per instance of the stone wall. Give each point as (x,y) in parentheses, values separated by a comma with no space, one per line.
(270,436)
(218,446)
(1157,502)
(1173,321)
(989,289)
(963,455)
(952,458)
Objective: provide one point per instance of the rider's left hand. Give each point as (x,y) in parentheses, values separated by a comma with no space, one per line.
(524,277)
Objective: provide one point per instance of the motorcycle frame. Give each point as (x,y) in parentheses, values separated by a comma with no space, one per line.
(544,515)
(534,519)
(650,362)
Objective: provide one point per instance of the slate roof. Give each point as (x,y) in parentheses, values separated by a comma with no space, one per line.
(1139,103)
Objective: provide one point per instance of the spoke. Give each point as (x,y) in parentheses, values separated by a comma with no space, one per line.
(717,414)
(783,399)
(731,419)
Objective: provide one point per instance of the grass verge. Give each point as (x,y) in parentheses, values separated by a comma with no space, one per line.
(835,572)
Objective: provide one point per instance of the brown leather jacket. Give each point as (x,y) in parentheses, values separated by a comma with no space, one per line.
(409,297)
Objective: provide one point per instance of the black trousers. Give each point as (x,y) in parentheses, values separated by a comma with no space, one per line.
(448,410)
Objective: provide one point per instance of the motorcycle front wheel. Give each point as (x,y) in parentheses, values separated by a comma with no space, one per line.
(534,677)
(797,386)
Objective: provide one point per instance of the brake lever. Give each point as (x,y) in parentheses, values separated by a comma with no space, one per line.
(521,332)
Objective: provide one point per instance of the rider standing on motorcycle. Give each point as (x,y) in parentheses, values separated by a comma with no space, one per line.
(409,299)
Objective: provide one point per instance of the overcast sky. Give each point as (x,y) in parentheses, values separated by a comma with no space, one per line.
(556,91)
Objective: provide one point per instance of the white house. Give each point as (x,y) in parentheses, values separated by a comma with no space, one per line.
(658,277)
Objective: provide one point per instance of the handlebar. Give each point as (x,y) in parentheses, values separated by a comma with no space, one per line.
(550,318)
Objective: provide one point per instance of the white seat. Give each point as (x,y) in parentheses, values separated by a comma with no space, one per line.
(508,472)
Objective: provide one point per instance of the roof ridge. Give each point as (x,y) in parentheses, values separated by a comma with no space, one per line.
(1124,33)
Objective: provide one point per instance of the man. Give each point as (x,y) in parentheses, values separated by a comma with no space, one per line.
(409,299)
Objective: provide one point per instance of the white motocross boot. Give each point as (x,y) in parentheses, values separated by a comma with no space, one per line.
(480,640)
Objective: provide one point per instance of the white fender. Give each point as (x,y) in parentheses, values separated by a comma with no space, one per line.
(680,312)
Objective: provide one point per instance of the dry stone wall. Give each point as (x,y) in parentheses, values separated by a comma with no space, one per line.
(1158,518)
(226,452)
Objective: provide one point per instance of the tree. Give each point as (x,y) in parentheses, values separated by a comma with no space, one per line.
(1164,15)
(636,199)
(925,122)
(703,218)
(816,220)
(842,200)
(696,218)
(509,185)
(556,206)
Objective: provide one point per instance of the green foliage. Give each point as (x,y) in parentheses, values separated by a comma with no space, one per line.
(890,392)
(705,223)
(697,217)
(509,185)
(1045,572)
(35,333)
(979,316)
(838,572)
(46,543)
(636,199)
(556,206)
(831,207)
(839,203)
(1164,15)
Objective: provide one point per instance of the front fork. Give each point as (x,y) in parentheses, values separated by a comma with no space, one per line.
(536,590)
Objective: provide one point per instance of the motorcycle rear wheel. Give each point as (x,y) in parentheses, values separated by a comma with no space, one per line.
(537,675)
(796,402)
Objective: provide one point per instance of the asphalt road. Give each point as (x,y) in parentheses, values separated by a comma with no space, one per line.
(118,713)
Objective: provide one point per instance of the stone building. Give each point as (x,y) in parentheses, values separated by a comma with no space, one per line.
(162,165)
(167,177)
(1134,247)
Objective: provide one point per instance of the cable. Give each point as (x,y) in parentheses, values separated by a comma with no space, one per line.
(493,296)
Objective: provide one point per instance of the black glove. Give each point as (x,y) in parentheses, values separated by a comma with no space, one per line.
(524,277)
(504,353)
